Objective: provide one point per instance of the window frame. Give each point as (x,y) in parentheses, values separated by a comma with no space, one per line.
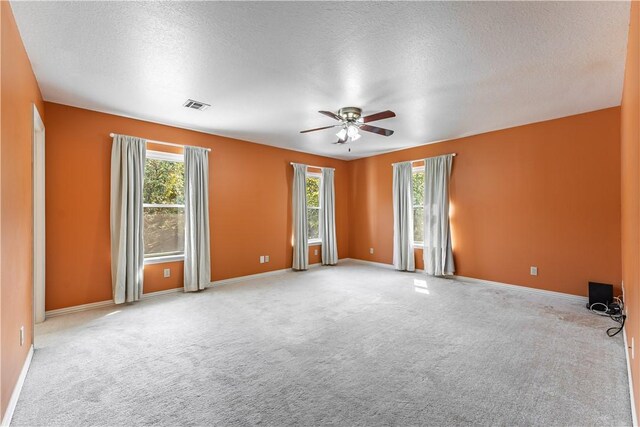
(168,157)
(414,170)
(318,241)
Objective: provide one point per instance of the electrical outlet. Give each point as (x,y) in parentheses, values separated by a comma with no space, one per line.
(167,272)
(371,250)
(21,336)
(315,252)
(261,259)
(534,270)
(266,258)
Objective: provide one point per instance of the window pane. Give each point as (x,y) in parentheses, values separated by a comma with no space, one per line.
(418,189)
(313,223)
(418,224)
(163,231)
(313,191)
(163,182)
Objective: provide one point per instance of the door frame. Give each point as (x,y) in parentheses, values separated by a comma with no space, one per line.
(39,221)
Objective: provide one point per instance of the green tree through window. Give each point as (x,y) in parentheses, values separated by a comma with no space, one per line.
(313,207)
(417,184)
(163,205)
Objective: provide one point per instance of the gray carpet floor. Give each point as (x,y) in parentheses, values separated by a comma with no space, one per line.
(347,345)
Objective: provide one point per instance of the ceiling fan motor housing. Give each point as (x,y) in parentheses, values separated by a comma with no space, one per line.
(350,114)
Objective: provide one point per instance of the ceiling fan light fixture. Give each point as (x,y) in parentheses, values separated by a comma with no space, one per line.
(352,131)
(342,134)
(356,137)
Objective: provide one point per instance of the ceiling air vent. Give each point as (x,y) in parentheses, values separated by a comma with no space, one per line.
(196,105)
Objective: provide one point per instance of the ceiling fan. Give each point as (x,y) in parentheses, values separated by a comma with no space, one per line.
(352,122)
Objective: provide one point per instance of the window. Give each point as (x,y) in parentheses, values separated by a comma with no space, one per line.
(417,185)
(313,207)
(163,207)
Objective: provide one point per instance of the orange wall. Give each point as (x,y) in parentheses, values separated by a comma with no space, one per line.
(250,204)
(19,92)
(630,147)
(545,194)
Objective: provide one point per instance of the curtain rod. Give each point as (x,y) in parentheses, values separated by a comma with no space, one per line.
(420,160)
(165,143)
(311,166)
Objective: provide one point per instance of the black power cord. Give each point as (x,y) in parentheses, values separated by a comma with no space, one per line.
(621,319)
(615,311)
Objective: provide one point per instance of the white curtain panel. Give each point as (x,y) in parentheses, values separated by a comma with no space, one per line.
(127,245)
(328,221)
(403,258)
(299,214)
(197,251)
(438,255)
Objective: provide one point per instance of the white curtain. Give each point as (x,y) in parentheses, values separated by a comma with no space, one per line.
(127,244)
(438,255)
(403,258)
(197,252)
(328,220)
(299,214)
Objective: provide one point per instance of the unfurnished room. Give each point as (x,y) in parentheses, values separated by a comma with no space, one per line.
(310,213)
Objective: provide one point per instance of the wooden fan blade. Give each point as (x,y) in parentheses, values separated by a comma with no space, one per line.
(379,131)
(313,130)
(332,115)
(378,116)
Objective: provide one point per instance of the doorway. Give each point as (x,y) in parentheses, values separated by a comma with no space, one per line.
(39,257)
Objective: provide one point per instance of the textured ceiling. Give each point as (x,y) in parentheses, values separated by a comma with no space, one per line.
(446,69)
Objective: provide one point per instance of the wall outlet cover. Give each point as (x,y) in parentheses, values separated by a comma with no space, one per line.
(534,271)
(261,259)
(266,258)
(167,272)
(21,336)
(371,250)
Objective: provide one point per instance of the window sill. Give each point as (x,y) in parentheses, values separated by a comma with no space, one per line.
(418,245)
(314,242)
(163,259)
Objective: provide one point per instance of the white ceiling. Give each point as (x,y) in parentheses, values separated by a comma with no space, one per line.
(446,69)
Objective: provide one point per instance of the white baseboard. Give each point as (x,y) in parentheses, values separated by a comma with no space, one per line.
(465,279)
(576,298)
(109,303)
(634,416)
(100,304)
(248,277)
(377,264)
(11,407)
(259,275)
(77,308)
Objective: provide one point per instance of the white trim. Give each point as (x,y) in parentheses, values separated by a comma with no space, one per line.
(249,277)
(488,282)
(377,264)
(571,297)
(11,407)
(38,263)
(160,293)
(163,205)
(101,304)
(265,274)
(161,155)
(314,242)
(163,259)
(77,308)
(634,416)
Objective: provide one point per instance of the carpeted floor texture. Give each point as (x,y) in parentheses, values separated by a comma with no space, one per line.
(347,345)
